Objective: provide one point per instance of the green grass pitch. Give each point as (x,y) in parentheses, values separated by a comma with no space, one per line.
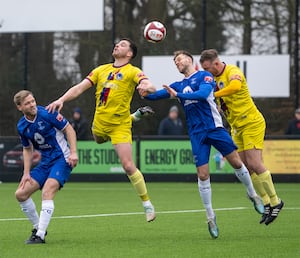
(107,220)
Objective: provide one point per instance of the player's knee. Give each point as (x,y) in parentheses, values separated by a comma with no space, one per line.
(50,188)
(234,160)
(20,195)
(203,177)
(256,167)
(203,173)
(236,164)
(48,194)
(129,167)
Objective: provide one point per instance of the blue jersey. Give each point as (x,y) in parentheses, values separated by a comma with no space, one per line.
(196,96)
(45,134)
(203,119)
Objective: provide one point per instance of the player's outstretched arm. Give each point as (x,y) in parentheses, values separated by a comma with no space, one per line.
(145,87)
(172,92)
(71,94)
(71,137)
(202,93)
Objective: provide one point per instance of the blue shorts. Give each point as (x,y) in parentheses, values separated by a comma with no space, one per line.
(202,142)
(58,169)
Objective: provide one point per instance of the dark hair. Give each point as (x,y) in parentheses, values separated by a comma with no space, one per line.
(183,52)
(132,46)
(208,55)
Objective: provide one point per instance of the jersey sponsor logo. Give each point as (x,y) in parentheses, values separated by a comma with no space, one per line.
(187,102)
(187,89)
(39,138)
(59,117)
(109,84)
(208,79)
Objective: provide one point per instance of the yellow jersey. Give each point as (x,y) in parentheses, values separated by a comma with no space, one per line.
(115,87)
(239,108)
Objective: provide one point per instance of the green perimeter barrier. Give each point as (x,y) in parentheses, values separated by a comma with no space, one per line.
(156,155)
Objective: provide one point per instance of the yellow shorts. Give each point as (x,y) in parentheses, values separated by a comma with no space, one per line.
(251,135)
(117,133)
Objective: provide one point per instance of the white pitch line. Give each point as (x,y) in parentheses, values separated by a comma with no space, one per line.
(124,214)
(137,213)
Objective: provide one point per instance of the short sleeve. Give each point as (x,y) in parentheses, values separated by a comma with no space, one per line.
(93,76)
(25,142)
(138,75)
(58,120)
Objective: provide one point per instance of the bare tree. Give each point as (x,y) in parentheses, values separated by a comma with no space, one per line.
(58,60)
(258,26)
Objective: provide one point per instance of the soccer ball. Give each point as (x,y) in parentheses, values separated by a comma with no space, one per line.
(155,32)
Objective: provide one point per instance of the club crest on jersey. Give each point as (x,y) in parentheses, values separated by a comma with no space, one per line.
(193,80)
(221,85)
(208,79)
(41,126)
(119,76)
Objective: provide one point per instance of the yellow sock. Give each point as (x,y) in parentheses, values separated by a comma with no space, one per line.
(259,188)
(138,182)
(267,182)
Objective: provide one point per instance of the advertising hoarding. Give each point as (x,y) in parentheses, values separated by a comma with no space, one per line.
(55,15)
(154,157)
(267,75)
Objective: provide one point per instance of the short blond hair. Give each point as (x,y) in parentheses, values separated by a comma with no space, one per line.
(21,95)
